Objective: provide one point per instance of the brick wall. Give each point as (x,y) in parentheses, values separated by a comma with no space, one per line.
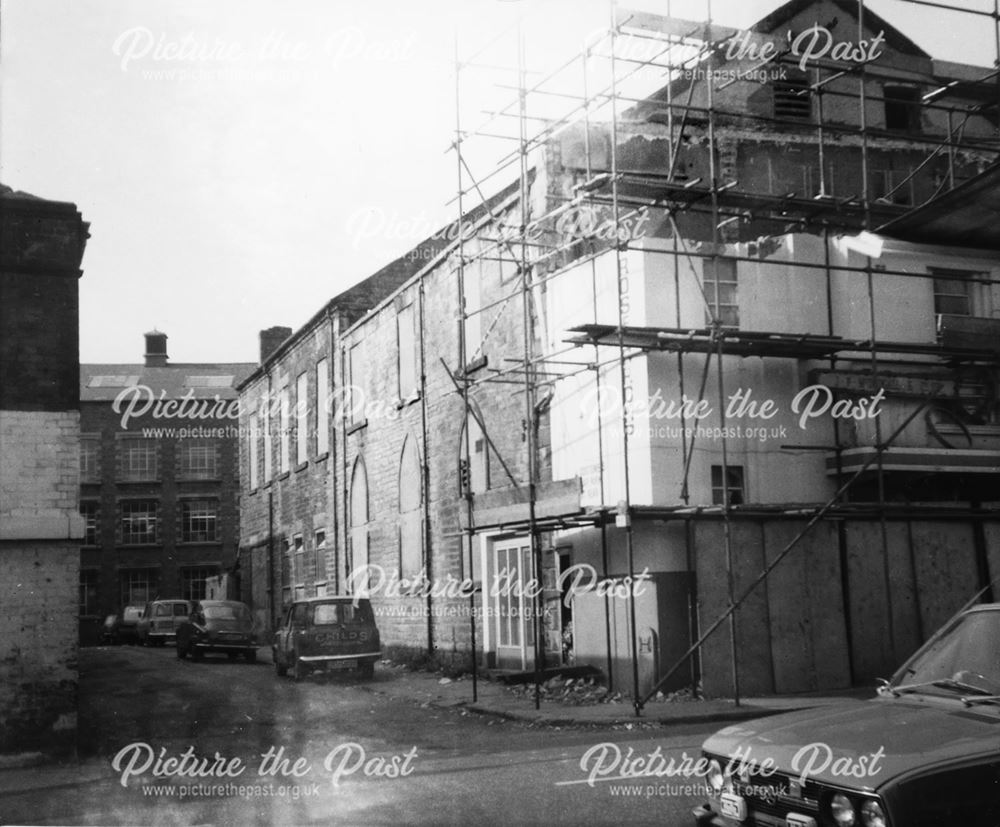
(40,534)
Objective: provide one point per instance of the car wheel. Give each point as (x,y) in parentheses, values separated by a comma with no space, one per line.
(298,670)
(181,651)
(367,671)
(279,669)
(196,654)
(251,656)
(231,655)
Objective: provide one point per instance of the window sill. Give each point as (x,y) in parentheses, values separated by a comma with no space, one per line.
(130,481)
(301,466)
(188,543)
(476,364)
(357,426)
(200,479)
(321,457)
(405,403)
(284,475)
(141,545)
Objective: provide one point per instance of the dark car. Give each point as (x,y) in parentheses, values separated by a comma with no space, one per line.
(127,630)
(327,633)
(224,626)
(924,753)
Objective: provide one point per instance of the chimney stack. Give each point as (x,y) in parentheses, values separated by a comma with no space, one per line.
(271,339)
(156,349)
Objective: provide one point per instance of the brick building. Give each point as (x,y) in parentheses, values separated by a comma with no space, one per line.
(41,247)
(512,400)
(159,480)
(291,471)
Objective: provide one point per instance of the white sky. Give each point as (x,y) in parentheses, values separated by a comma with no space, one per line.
(250,187)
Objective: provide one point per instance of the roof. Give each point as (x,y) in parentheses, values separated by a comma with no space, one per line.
(357,301)
(966,216)
(201,381)
(894,38)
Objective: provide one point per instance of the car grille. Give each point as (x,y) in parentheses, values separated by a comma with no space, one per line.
(771,797)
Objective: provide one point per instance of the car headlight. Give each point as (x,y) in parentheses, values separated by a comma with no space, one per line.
(715,777)
(842,810)
(872,814)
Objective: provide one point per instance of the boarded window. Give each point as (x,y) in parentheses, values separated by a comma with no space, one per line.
(411,546)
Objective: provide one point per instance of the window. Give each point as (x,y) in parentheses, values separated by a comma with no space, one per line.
(252,452)
(319,569)
(90,460)
(88,591)
(721,291)
(357,556)
(356,397)
(952,296)
(902,108)
(408,353)
(301,419)
(298,561)
(284,432)
(193,581)
(137,459)
(268,450)
(138,586)
(471,275)
(139,522)
(474,470)
(411,546)
(322,408)
(792,96)
(892,186)
(286,572)
(199,521)
(90,510)
(199,459)
(733,489)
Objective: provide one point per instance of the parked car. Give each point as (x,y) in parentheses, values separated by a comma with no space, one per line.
(160,621)
(327,633)
(128,623)
(924,753)
(224,626)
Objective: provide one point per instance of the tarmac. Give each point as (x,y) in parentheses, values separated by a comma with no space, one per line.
(25,772)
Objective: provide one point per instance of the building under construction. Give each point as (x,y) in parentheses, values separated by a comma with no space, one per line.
(720,407)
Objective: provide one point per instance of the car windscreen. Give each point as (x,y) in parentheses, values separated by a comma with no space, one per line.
(225,612)
(969,652)
(325,614)
(180,609)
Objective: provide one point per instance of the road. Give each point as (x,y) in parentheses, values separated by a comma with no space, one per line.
(219,742)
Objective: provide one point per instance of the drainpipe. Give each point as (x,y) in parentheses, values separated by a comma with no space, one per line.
(426,478)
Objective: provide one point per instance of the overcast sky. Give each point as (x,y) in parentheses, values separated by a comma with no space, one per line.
(242,161)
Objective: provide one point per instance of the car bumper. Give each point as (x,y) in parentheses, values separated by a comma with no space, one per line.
(705,816)
(335,658)
(223,646)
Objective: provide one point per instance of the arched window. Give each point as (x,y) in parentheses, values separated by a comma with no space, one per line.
(474,459)
(357,556)
(411,535)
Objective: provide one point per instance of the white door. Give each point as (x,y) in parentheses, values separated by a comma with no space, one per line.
(512,607)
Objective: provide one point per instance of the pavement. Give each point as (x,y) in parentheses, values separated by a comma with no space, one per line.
(489,697)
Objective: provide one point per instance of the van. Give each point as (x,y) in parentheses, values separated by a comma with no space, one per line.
(160,620)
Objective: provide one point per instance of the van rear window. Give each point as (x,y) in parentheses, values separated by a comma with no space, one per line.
(325,614)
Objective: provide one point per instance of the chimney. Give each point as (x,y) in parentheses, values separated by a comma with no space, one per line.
(156,349)
(271,339)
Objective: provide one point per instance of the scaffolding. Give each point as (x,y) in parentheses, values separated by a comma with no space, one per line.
(644,79)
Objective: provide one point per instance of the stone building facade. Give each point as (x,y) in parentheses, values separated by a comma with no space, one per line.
(41,248)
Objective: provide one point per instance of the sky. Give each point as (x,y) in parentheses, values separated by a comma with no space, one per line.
(242,161)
